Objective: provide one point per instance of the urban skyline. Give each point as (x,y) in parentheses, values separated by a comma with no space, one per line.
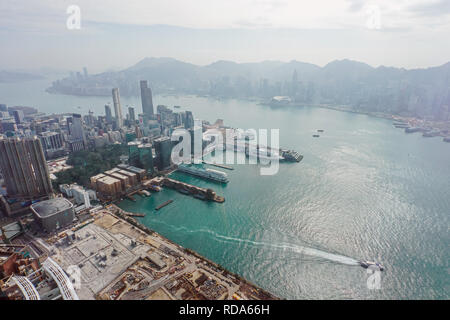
(262,150)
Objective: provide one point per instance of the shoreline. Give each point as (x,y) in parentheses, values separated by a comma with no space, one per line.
(422,125)
(261,101)
(120,213)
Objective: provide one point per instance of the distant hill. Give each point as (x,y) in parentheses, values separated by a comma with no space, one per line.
(416,92)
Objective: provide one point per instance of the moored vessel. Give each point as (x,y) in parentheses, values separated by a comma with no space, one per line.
(210,174)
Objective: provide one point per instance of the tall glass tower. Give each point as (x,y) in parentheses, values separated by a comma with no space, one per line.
(147,100)
(117,107)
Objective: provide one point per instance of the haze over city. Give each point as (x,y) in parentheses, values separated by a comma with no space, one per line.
(224,150)
(409,34)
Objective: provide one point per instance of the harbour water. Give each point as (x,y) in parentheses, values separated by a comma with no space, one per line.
(364,190)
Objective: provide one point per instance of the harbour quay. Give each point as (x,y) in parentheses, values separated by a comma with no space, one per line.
(197,192)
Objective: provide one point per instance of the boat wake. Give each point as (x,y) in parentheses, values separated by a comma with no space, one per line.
(280,246)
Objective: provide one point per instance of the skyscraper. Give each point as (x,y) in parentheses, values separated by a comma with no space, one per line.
(24,168)
(163,149)
(132,115)
(76,130)
(146,157)
(133,153)
(147,101)
(52,143)
(117,107)
(18,116)
(108,114)
(189,120)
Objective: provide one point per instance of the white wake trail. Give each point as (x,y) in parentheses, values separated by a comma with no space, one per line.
(282,246)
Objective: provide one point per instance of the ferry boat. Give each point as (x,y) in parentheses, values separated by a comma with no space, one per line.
(430,134)
(204,173)
(412,130)
(264,153)
(291,155)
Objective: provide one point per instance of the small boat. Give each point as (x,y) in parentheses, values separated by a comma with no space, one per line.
(316,135)
(182,190)
(199,196)
(367,264)
(155,188)
(320,130)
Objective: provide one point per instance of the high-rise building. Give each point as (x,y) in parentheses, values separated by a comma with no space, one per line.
(76,131)
(108,113)
(163,149)
(90,119)
(18,116)
(8,125)
(75,126)
(24,168)
(52,143)
(3,108)
(133,153)
(189,120)
(146,157)
(132,115)
(147,100)
(117,108)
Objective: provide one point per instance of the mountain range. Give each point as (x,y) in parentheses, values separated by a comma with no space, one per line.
(414,92)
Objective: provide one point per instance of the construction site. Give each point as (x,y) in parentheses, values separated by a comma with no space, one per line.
(111,256)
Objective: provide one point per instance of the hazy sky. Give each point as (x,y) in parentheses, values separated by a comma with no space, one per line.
(117,34)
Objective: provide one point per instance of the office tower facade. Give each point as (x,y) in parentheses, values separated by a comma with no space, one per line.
(117,107)
(146,157)
(163,149)
(3,108)
(24,168)
(90,119)
(108,114)
(18,116)
(133,153)
(76,132)
(189,120)
(147,100)
(8,125)
(52,143)
(132,115)
(75,126)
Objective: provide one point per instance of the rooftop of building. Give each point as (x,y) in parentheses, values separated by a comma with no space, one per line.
(112,171)
(161,139)
(98,176)
(108,180)
(146,145)
(131,168)
(49,133)
(118,176)
(134,143)
(50,207)
(127,173)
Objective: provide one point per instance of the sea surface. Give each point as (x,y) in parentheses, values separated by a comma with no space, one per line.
(364,190)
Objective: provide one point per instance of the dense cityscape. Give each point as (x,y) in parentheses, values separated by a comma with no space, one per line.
(63,173)
(224,159)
